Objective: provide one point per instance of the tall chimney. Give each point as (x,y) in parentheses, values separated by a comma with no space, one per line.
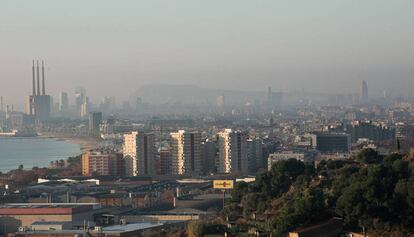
(38,79)
(1,103)
(34,83)
(43,79)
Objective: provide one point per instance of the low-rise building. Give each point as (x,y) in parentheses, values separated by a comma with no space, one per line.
(150,229)
(15,215)
(102,163)
(304,156)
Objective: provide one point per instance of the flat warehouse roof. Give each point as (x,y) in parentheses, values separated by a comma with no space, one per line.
(44,208)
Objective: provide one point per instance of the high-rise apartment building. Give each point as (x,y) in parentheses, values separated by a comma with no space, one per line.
(164,154)
(208,156)
(102,163)
(95,119)
(185,152)
(138,151)
(255,154)
(232,151)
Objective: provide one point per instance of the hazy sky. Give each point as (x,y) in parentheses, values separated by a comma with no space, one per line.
(113,47)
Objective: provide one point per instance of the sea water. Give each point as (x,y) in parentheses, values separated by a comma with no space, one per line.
(33,151)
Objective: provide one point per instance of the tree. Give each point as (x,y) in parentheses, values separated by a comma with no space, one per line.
(195,229)
(240,189)
(249,203)
(307,206)
(351,205)
(368,156)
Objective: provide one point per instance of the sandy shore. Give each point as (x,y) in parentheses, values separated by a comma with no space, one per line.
(86,143)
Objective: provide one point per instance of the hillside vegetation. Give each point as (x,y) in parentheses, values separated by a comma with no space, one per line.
(370,191)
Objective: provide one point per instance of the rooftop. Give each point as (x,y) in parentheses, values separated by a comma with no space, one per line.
(131,227)
(46,208)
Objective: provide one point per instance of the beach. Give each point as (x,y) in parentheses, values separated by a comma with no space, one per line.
(85,143)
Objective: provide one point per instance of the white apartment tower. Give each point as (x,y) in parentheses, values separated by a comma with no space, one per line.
(138,151)
(186,152)
(232,152)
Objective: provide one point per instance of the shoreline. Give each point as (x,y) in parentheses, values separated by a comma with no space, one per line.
(85,143)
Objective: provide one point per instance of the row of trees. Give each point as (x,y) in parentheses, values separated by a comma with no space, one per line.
(21,177)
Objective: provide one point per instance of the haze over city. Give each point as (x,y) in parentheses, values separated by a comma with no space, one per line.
(234,118)
(113,48)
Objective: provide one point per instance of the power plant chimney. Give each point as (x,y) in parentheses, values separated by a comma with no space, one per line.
(34,83)
(38,79)
(43,79)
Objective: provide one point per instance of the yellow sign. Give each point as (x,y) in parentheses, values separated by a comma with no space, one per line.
(223,184)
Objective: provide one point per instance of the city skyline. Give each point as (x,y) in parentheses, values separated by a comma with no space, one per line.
(319,46)
(206,118)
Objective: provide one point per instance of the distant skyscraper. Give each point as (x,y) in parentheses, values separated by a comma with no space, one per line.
(81,101)
(138,150)
(185,152)
(364,92)
(221,101)
(273,98)
(95,119)
(232,151)
(269,96)
(84,108)
(108,103)
(384,94)
(63,101)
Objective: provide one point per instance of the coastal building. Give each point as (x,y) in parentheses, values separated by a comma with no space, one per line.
(185,152)
(38,105)
(232,146)
(139,153)
(102,163)
(95,119)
